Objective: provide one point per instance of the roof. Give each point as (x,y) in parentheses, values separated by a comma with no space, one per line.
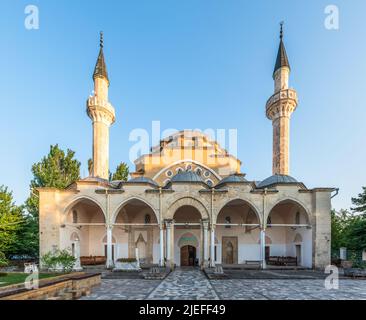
(142,179)
(276,179)
(282,59)
(187,176)
(234,178)
(101,67)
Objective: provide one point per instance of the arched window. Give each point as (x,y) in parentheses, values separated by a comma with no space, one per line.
(147,218)
(228,221)
(74,216)
(269,221)
(297,218)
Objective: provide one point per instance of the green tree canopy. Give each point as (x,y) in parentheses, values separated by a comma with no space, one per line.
(122,172)
(10,220)
(360,202)
(58,169)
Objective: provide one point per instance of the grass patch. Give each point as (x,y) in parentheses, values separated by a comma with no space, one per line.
(15,278)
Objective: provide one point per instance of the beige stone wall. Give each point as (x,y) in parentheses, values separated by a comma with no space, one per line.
(55,206)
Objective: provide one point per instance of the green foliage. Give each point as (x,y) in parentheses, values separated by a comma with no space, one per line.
(3,261)
(90,167)
(58,170)
(10,221)
(360,202)
(59,258)
(122,172)
(128,260)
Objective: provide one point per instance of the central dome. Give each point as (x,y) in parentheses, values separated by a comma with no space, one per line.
(187,176)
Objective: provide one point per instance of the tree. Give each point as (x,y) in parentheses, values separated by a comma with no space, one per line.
(10,221)
(58,169)
(339,223)
(360,202)
(122,172)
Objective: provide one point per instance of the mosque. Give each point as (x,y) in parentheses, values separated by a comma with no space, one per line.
(187,203)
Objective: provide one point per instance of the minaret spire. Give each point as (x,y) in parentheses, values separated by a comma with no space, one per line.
(279,108)
(102,114)
(282,59)
(101,67)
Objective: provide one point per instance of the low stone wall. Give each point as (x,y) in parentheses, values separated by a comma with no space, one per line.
(66,288)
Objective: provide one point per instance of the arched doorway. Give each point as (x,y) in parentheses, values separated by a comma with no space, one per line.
(187,256)
(289,228)
(136,226)
(187,232)
(237,228)
(84,225)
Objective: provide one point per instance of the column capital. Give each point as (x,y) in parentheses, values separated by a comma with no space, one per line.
(205,223)
(168,223)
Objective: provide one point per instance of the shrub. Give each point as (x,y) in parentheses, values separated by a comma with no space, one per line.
(59,259)
(128,260)
(3,260)
(3,274)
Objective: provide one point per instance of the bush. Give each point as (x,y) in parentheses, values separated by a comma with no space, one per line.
(128,260)
(59,259)
(3,260)
(3,274)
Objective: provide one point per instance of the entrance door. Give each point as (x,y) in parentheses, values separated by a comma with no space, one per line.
(298,254)
(267,253)
(187,256)
(229,250)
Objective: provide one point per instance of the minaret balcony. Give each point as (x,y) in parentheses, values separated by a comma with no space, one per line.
(287,97)
(97,107)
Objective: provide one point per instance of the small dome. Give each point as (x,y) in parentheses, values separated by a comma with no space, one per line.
(143,179)
(187,176)
(276,179)
(234,178)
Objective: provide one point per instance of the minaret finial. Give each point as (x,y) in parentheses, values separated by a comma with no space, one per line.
(281,31)
(101,39)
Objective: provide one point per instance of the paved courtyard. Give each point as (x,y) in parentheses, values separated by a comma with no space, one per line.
(192,284)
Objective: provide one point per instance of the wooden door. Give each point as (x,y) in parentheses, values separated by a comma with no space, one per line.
(184,256)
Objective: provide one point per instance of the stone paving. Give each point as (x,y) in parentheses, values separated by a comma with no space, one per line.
(184,284)
(123,289)
(192,284)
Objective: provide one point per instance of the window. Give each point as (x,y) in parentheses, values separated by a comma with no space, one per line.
(269,221)
(297,218)
(74,216)
(207,174)
(188,167)
(209,182)
(147,218)
(198,171)
(228,221)
(169,173)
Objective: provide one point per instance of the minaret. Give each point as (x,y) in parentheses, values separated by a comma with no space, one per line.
(279,108)
(101,112)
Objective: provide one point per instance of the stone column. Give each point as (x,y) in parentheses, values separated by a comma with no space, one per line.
(205,243)
(263,247)
(169,225)
(212,246)
(109,247)
(77,265)
(162,256)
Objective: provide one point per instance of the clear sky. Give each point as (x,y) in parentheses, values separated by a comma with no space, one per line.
(189,64)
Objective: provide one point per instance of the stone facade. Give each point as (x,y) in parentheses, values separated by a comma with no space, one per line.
(187,201)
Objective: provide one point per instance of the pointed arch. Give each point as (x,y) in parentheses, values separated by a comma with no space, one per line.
(129,200)
(187,201)
(247,202)
(76,201)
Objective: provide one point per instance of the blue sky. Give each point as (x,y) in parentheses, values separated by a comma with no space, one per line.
(189,64)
